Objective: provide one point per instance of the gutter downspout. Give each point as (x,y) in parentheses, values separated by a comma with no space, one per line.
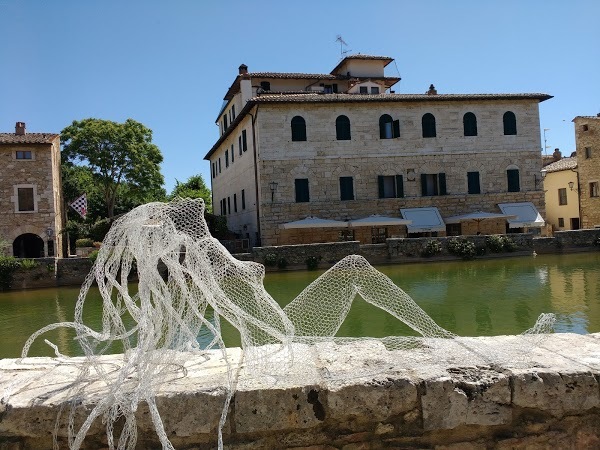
(254,117)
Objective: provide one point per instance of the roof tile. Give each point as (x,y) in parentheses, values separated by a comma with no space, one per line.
(27,138)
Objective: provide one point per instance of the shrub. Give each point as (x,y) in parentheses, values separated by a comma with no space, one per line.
(28,264)
(84,242)
(480,250)
(270,260)
(8,264)
(93,255)
(97,244)
(508,244)
(432,248)
(312,262)
(494,243)
(282,263)
(597,242)
(462,248)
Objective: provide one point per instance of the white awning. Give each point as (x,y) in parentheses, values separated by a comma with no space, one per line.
(477,216)
(376,220)
(526,215)
(314,222)
(423,219)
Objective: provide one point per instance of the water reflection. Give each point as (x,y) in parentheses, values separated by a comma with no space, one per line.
(484,297)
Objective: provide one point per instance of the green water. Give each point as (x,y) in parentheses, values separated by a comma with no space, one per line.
(483,297)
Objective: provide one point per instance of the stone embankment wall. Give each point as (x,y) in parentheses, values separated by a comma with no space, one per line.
(441,395)
(50,272)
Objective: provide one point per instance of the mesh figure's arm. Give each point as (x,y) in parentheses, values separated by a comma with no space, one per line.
(321,308)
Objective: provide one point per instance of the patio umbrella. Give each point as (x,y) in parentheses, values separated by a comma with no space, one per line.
(314,222)
(376,220)
(478,216)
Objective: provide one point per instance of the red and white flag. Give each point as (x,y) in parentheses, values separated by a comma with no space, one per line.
(80,205)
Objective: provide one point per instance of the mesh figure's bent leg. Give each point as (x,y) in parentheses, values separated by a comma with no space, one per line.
(321,308)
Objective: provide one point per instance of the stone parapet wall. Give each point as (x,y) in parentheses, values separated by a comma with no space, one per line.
(296,255)
(441,395)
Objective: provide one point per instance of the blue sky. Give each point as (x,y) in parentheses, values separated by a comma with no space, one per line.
(168,64)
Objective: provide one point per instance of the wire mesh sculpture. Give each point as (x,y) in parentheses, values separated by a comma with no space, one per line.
(188,283)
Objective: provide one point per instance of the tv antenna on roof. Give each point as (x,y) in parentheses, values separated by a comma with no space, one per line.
(343,45)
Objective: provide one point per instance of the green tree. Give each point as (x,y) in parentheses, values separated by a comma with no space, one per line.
(194,187)
(120,156)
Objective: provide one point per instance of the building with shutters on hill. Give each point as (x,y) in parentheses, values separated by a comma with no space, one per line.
(344,146)
(32,212)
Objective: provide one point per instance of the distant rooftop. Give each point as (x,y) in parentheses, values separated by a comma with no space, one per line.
(28,138)
(561,164)
(386,59)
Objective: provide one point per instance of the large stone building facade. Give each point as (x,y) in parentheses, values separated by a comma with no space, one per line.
(31,206)
(587,142)
(343,146)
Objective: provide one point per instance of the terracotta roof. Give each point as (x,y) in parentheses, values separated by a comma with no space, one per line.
(387,60)
(587,117)
(561,164)
(27,138)
(350,98)
(311,76)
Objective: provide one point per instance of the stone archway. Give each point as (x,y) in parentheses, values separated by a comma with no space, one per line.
(28,245)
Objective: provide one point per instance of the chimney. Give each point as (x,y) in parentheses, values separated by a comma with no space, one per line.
(557,155)
(243,69)
(20,128)
(432,90)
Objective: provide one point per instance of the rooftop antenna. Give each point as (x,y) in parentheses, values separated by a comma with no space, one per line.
(343,45)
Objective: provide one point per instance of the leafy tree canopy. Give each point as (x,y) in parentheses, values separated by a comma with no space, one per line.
(194,187)
(119,159)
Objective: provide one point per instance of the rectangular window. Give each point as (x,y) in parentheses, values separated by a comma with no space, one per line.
(224,122)
(301,185)
(327,89)
(378,235)
(512,177)
(562,196)
(346,235)
(588,153)
(25,199)
(50,247)
(232,154)
(219,164)
(433,184)
(561,222)
(244,141)
(265,85)
(240,145)
(473,183)
(390,186)
(233,111)
(226,158)
(243,199)
(213,170)
(234,202)
(346,188)
(23,154)
(334,87)
(374,90)
(594,189)
(228,205)
(363,89)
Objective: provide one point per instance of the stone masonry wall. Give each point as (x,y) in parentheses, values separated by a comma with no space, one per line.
(588,168)
(444,395)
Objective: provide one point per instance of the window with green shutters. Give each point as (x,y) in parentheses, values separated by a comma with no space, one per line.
(390,186)
(346,188)
(473,183)
(512,177)
(388,127)
(301,185)
(433,184)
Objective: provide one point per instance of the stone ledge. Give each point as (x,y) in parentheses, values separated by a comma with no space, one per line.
(442,394)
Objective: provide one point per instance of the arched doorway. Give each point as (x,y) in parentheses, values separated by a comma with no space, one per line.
(28,245)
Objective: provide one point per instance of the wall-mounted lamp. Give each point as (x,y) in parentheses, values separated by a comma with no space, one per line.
(273,187)
(49,232)
(572,186)
(537,180)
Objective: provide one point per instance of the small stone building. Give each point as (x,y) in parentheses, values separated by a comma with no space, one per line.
(587,142)
(31,204)
(344,146)
(562,199)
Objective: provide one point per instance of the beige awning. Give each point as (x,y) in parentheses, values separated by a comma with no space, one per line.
(376,220)
(314,222)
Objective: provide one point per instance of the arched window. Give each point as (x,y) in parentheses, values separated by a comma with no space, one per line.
(342,128)
(510,123)
(512,179)
(428,123)
(298,129)
(386,127)
(470,124)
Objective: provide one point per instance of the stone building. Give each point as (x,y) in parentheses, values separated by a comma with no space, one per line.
(561,193)
(587,142)
(344,146)
(31,205)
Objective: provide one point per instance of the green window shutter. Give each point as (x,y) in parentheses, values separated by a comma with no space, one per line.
(512,176)
(473,183)
(380,185)
(399,186)
(442,181)
(244,141)
(424,184)
(396,128)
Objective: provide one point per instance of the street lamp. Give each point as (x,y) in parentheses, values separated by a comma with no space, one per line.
(273,187)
